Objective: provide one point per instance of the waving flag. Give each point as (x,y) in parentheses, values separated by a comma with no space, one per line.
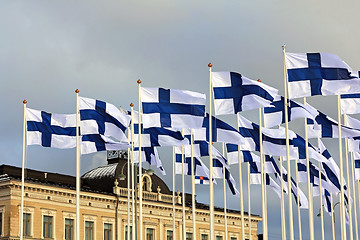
(102,126)
(354,143)
(200,168)
(172,108)
(245,156)
(202,180)
(221,132)
(150,155)
(50,129)
(219,173)
(234,93)
(311,74)
(274,115)
(350,103)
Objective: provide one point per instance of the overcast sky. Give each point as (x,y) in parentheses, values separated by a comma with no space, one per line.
(50,48)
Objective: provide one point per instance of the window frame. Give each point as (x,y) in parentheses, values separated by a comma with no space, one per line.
(45,225)
(126,228)
(172,234)
(108,231)
(50,213)
(90,218)
(146,233)
(73,228)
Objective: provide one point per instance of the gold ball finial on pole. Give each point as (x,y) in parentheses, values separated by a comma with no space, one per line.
(77,91)
(259,80)
(139,81)
(131,104)
(210,65)
(24,102)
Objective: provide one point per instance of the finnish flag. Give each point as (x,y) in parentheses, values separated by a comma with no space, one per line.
(219,169)
(301,197)
(50,129)
(350,103)
(274,115)
(357,165)
(245,156)
(234,93)
(200,168)
(325,127)
(102,126)
(354,143)
(255,178)
(150,155)
(311,74)
(172,108)
(221,132)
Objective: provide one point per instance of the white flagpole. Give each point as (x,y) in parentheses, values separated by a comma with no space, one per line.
(140,169)
(291,224)
(23,176)
(225,211)
(351,232)
(298,199)
(241,188)
(193,184)
(133,234)
(173,195)
(309,184)
(332,217)
(249,200)
(282,204)
(342,202)
(128,187)
(183,190)
(321,205)
(354,195)
(77,167)
(263,207)
(211,200)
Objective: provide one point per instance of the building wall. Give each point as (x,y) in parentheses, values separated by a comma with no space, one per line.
(60,203)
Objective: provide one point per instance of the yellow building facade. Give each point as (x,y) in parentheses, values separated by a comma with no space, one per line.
(50,207)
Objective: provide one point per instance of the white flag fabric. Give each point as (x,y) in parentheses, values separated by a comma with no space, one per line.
(311,74)
(354,143)
(172,108)
(350,103)
(234,93)
(102,126)
(150,155)
(51,129)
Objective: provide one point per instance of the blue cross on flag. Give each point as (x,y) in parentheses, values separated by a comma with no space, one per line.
(202,180)
(50,129)
(234,93)
(102,126)
(311,74)
(170,108)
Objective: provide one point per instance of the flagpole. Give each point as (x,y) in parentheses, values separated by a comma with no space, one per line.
(282,203)
(249,200)
(354,195)
(241,188)
(342,202)
(77,167)
(265,235)
(309,184)
(23,176)
(193,184)
(183,190)
(298,200)
(348,181)
(132,176)
(321,205)
(128,188)
(225,211)
(332,217)
(173,195)
(291,224)
(140,168)
(211,199)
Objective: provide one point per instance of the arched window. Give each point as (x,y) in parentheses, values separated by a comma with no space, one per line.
(147,183)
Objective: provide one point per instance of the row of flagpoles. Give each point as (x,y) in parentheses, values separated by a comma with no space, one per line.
(177,118)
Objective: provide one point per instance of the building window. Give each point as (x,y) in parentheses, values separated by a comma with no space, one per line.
(150,234)
(126,232)
(107,231)
(47,226)
(204,237)
(89,230)
(27,224)
(188,236)
(169,235)
(1,223)
(69,229)
(219,238)
(233,238)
